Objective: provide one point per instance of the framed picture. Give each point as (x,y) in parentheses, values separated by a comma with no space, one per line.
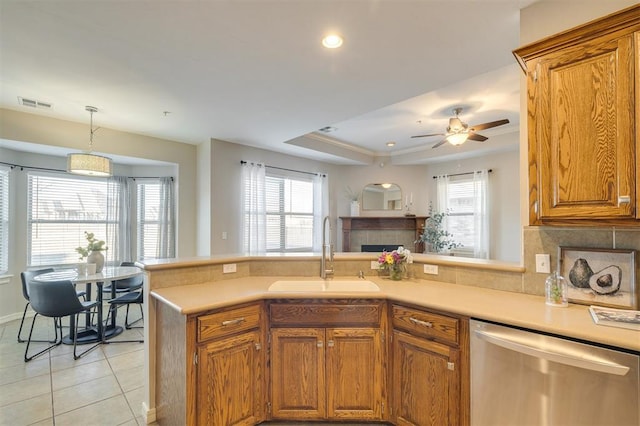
(604,277)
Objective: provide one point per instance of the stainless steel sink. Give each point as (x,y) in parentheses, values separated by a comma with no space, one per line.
(324,285)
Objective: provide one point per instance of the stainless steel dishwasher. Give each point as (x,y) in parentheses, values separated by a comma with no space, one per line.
(523,378)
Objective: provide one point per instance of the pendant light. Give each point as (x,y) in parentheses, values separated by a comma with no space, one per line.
(86,163)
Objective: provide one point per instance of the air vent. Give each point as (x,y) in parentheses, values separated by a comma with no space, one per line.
(33,103)
(327,129)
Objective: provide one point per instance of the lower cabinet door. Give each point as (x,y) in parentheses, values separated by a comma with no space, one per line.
(298,374)
(425,382)
(355,374)
(230,388)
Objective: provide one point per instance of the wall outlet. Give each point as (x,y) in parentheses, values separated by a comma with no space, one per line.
(375,265)
(543,263)
(430,269)
(224,235)
(228,268)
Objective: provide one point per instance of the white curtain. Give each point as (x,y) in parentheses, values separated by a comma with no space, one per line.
(118,222)
(442,192)
(166,220)
(481,214)
(320,208)
(254,229)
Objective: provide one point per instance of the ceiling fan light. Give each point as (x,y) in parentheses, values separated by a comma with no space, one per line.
(87,164)
(457,138)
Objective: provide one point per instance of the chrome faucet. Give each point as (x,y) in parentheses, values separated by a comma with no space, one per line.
(324,270)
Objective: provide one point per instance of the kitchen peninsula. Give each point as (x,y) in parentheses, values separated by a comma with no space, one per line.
(188,297)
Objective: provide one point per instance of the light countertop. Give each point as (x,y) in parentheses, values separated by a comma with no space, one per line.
(516,309)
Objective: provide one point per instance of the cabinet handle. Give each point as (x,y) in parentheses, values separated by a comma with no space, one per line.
(319,344)
(624,199)
(420,322)
(258,346)
(330,343)
(233,321)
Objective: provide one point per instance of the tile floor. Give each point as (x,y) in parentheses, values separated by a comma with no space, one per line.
(104,387)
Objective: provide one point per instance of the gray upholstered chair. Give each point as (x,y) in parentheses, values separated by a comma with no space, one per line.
(56,300)
(125,285)
(26,277)
(127,299)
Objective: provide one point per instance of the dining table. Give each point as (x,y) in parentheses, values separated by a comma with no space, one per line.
(101,332)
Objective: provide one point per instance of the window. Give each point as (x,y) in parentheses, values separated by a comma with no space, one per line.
(289,211)
(61,208)
(4,219)
(464,197)
(155,222)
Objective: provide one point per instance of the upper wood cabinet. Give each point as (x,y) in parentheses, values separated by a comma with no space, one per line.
(583,124)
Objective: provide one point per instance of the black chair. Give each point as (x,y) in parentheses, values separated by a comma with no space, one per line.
(127,300)
(56,300)
(125,285)
(27,277)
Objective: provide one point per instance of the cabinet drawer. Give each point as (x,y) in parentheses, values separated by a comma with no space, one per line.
(426,324)
(330,314)
(228,322)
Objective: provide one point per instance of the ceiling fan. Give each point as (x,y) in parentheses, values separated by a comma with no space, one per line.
(458,131)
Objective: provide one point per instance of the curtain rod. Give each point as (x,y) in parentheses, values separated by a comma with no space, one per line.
(46,169)
(462,174)
(288,170)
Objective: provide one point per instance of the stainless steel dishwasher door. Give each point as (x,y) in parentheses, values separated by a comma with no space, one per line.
(521,378)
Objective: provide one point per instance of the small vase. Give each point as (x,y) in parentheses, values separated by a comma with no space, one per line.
(396,272)
(98,258)
(355,208)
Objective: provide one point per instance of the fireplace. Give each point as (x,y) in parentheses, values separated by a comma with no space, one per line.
(361,233)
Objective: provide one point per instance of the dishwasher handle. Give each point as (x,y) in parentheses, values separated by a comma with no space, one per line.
(558,355)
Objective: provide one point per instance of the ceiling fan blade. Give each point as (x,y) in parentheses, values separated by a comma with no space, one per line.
(477,137)
(442,142)
(488,125)
(425,136)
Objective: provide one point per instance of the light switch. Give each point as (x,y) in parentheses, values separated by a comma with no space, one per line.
(543,263)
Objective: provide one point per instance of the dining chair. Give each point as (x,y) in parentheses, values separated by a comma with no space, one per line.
(57,299)
(26,277)
(125,285)
(127,300)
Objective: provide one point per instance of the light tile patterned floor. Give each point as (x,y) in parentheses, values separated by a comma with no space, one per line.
(104,387)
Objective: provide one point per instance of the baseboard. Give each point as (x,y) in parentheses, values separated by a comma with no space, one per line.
(149,414)
(12,317)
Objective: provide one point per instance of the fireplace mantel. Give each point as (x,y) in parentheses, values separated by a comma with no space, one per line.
(367,223)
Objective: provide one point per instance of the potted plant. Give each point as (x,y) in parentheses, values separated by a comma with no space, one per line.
(93,250)
(436,239)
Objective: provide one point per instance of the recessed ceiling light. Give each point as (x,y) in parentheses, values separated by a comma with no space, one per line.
(332,41)
(391,144)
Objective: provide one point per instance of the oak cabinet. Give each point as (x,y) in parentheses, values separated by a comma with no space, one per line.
(582,101)
(430,368)
(229,367)
(331,365)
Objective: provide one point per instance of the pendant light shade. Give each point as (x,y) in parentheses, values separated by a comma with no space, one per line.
(87,163)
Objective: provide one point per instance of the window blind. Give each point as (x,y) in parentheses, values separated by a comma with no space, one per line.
(289,213)
(4,219)
(60,209)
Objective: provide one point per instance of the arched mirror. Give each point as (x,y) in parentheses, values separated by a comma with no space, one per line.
(382,196)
